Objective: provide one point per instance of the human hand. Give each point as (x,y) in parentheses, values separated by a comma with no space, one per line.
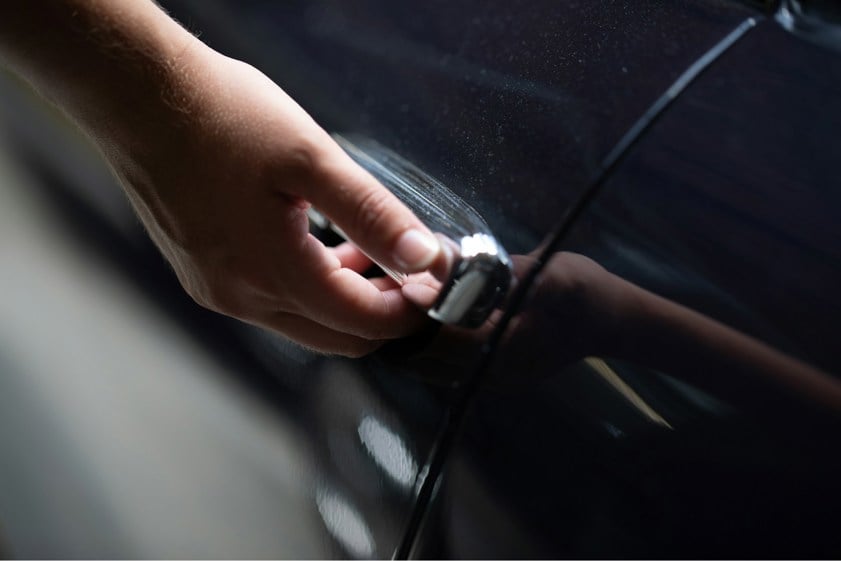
(575,308)
(222,175)
(221,166)
(581,304)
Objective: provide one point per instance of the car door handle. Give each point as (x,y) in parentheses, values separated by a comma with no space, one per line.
(480,273)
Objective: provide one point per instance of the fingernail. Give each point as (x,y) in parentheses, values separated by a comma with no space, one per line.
(416,250)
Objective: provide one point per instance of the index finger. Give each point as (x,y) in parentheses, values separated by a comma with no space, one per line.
(371,216)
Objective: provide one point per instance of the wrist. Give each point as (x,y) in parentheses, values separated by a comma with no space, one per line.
(103,61)
(144,86)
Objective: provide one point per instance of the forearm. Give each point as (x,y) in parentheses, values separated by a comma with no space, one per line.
(689,345)
(125,72)
(97,58)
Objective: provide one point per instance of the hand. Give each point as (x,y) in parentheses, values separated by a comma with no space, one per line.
(222,178)
(575,309)
(221,166)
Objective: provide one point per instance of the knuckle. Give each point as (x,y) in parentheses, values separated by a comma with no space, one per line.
(309,152)
(302,158)
(295,164)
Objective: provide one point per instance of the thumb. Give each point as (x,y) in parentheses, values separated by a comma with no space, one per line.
(373,217)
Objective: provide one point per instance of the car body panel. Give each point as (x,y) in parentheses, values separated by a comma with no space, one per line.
(513,106)
(728,206)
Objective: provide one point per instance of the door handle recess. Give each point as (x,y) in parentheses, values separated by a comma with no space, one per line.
(480,272)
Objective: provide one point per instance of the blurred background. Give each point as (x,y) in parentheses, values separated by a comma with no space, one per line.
(122,435)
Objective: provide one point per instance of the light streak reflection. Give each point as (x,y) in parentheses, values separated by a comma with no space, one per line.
(345,523)
(388,450)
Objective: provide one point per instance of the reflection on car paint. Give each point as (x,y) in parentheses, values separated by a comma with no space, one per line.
(345,523)
(727,208)
(818,21)
(597,312)
(579,203)
(388,450)
(609,375)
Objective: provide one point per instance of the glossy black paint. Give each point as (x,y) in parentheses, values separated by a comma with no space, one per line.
(512,105)
(729,206)
(516,128)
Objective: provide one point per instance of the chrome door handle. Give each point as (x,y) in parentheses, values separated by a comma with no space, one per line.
(481,272)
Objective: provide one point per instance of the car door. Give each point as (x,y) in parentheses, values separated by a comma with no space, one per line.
(513,106)
(726,206)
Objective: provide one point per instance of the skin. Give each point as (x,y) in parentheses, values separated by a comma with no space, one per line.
(221,166)
(609,316)
(577,308)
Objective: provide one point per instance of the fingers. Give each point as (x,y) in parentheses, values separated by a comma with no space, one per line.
(325,287)
(344,313)
(338,312)
(421,289)
(319,338)
(522,263)
(322,285)
(352,258)
(342,299)
(346,301)
(371,215)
